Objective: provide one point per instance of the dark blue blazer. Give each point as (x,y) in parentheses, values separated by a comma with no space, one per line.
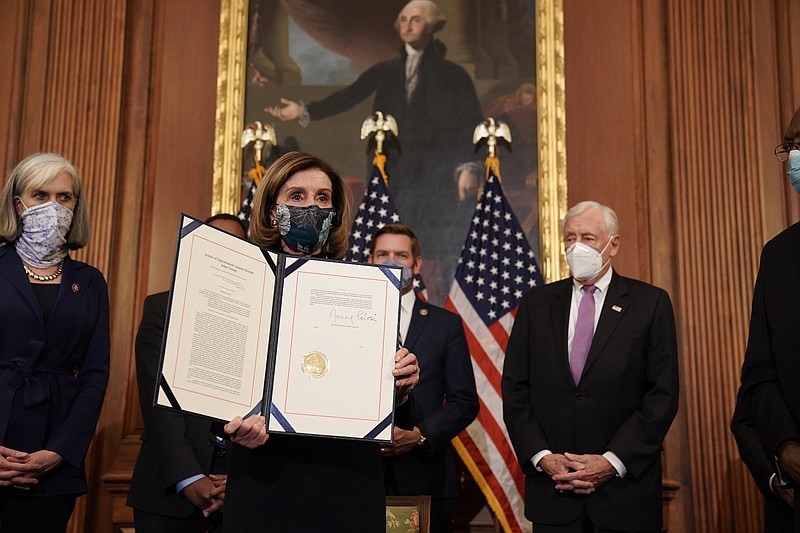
(445,401)
(53,375)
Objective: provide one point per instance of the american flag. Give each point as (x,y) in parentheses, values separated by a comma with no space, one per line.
(496,268)
(247,205)
(376,210)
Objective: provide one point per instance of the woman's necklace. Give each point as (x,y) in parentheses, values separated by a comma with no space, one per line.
(49,277)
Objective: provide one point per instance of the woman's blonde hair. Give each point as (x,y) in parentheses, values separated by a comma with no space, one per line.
(34,172)
(265,235)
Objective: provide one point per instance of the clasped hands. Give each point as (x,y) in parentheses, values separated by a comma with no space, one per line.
(207,493)
(251,432)
(21,470)
(578,474)
(789,458)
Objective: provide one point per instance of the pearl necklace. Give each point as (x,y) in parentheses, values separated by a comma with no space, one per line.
(49,277)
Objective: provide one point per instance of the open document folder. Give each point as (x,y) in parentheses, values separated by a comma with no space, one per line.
(308,343)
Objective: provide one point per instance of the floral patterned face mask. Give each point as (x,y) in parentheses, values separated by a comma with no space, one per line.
(304,229)
(43,241)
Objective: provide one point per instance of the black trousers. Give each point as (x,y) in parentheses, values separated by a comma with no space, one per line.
(194,523)
(582,525)
(35,514)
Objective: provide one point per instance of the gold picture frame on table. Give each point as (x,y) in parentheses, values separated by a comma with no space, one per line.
(551,122)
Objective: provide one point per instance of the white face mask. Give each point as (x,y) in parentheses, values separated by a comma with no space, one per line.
(584,261)
(43,241)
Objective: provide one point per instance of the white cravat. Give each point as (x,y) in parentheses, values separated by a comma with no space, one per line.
(412,70)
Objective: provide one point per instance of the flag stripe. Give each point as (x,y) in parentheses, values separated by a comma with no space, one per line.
(488,371)
(458,303)
(500,334)
(500,440)
(498,499)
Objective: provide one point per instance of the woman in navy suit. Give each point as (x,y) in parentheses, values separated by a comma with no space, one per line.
(54,345)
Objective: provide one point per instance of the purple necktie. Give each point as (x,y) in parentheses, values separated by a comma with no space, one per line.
(584,330)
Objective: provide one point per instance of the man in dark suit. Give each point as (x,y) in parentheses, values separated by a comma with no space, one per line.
(178,484)
(770,390)
(420,461)
(590,388)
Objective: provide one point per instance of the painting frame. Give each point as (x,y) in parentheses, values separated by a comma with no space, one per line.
(551,122)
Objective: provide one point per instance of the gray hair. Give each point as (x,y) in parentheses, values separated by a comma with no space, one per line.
(33,172)
(474,167)
(433,16)
(609,216)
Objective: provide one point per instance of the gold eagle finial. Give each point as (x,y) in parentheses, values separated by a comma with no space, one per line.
(492,130)
(378,124)
(261,134)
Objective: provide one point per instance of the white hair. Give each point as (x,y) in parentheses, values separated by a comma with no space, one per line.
(609,216)
(433,16)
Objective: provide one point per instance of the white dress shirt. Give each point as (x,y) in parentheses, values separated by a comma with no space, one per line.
(406,311)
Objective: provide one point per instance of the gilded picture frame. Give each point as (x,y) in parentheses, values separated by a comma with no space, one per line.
(551,122)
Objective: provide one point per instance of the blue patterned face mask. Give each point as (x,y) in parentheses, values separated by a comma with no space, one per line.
(43,241)
(794,169)
(304,229)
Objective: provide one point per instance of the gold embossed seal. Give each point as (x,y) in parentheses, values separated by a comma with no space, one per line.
(315,365)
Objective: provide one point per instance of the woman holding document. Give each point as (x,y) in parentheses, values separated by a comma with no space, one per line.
(297,483)
(54,345)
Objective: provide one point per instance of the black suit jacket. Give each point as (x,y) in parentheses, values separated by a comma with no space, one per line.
(771,372)
(778,517)
(445,402)
(625,402)
(53,374)
(174,446)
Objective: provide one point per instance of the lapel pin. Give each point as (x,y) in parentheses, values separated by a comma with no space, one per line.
(616,308)
(423,312)
(76,288)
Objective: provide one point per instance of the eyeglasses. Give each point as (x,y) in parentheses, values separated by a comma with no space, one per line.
(782,150)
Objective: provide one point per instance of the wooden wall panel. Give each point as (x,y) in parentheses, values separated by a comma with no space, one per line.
(12,41)
(601,118)
(72,100)
(184,157)
(698,93)
(716,175)
(618,144)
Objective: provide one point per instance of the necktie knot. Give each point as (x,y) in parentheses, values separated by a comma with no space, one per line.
(589,289)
